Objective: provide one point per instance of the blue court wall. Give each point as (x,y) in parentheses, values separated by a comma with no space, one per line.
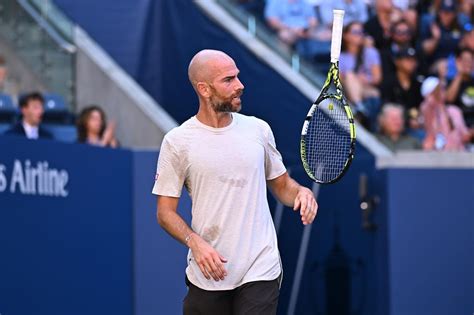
(65,228)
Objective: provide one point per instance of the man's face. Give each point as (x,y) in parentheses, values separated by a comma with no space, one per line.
(402,34)
(226,88)
(447,17)
(393,122)
(33,112)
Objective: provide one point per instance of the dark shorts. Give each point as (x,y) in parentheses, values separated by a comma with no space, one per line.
(259,297)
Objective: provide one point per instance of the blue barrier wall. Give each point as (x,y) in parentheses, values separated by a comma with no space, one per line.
(159,259)
(430,240)
(65,228)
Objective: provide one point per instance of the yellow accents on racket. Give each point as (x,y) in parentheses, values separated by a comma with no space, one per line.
(331,106)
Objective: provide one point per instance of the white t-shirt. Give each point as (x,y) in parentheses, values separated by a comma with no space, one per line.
(225,172)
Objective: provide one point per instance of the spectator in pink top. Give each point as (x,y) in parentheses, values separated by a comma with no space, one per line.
(444,124)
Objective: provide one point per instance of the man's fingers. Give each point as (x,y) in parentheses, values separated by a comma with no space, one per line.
(204,271)
(297,203)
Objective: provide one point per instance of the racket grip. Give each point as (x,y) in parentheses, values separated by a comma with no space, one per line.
(337,24)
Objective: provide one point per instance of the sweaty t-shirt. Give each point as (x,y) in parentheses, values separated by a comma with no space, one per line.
(225,172)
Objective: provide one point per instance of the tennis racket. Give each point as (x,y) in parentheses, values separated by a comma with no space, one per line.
(328,135)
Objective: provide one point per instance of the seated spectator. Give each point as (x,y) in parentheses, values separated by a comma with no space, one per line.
(32,109)
(407,8)
(361,71)
(293,20)
(7,85)
(460,90)
(445,126)
(440,35)
(401,37)
(392,126)
(403,87)
(378,26)
(354,11)
(92,128)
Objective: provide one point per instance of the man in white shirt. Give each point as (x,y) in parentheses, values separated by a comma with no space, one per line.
(31,106)
(225,161)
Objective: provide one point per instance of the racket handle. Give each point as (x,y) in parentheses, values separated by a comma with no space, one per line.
(337,24)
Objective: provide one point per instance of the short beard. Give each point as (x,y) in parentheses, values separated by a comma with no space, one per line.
(223,107)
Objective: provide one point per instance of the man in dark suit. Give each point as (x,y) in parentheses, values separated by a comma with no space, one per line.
(32,109)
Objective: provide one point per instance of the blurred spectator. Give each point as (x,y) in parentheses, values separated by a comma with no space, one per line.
(440,36)
(294,21)
(403,87)
(354,11)
(32,109)
(361,71)
(460,89)
(445,126)
(392,126)
(407,9)
(466,14)
(92,128)
(401,37)
(378,26)
(7,86)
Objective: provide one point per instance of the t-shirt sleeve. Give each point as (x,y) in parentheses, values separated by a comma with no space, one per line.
(170,172)
(274,166)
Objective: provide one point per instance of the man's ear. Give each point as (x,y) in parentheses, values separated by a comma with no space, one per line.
(203,89)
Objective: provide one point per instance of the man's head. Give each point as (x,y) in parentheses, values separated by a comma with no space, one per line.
(401,33)
(447,13)
(391,120)
(405,60)
(213,75)
(31,106)
(466,62)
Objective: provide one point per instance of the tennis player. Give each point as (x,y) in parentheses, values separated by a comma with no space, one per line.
(225,160)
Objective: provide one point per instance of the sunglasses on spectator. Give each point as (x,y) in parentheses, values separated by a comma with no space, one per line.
(357,32)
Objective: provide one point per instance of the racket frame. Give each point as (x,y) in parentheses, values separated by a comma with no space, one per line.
(332,78)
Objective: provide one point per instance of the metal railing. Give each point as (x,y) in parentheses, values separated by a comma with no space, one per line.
(42,38)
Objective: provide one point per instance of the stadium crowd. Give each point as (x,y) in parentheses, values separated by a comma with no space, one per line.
(24,114)
(406,65)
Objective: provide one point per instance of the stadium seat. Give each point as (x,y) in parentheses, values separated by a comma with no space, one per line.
(8,111)
(56,110)
(65,133)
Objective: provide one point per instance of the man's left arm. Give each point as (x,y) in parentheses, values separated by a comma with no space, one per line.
(292,194)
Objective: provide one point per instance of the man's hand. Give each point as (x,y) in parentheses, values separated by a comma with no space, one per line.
(307,204)
(208,259)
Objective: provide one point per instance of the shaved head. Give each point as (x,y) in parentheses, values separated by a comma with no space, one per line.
(205,65)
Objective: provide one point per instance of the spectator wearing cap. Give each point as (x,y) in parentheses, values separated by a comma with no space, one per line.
(392,129)
(32,109)
(444,125)
(403,87)
(440,36)
(293,20)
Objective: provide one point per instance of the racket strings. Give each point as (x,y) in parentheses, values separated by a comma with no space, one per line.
(328,140)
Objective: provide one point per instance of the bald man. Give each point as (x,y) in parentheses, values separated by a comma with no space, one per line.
(226,160)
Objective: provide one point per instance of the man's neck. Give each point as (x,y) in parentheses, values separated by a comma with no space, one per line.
(214,119)
(27,124)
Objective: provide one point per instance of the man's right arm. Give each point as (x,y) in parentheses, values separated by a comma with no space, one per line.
(208,259)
